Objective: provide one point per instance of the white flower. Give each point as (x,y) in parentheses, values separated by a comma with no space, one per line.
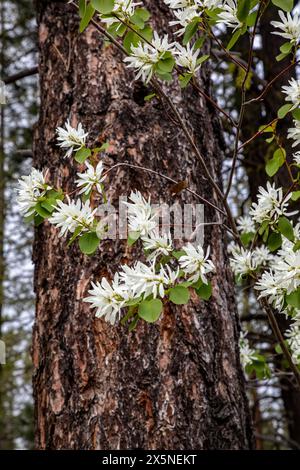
(292,90)
(294,133)
(242,261)
(31,188)
(141,218)
(290,26)
(90,178)
(108,299)
(210,4)
(124,9)
(157,244)
(195,262)
(247,354)
(229,15)
(184,18)
(296,158)
(69,217)
(144,56)
(262,256)
(145,280)
(271,204)
(245,224)
(186,57)
(269,287)
(287,268)
(71,138)
(293,339)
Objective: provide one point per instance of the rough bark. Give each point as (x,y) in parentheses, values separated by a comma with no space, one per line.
(174,385)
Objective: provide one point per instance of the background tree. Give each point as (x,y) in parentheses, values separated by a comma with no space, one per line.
(17,57)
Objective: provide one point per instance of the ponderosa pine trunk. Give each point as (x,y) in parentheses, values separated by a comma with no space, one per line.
(173,385)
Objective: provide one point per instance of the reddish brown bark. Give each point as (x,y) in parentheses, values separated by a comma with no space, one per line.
(174,385)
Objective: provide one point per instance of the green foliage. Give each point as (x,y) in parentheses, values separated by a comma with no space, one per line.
(150,310)
(88,243)
(87,16)
(103,6)
(82,154)
(293,299)
(286,5)
(179,295)
(276,162)
(243,9)
(260,367)
(285,227)
(133,237)
(190,31)
(284,110)
(274,241)
(205,291)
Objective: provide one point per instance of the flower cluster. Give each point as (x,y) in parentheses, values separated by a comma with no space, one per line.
(144,57)
(32,189)
(71,138)
(91,178)
(72,216)
(289,26)
(134,285)
(271,204)
(247,354)
(123,10)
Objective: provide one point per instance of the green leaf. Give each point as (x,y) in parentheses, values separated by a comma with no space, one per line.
(281,56)
(88,243)
(286,47)
(243,8)
(296,114)
(285,227)
(205,291)
(246,238)
(276,162)
(274,241)
(38,220)
(76,233)
(234,39)
(185,79)
(104,6)
(44,213)
(178,254)
(132,238)
(283,111)
(133,324)
(179,295)
(190,31)
(166,64)
(82,7)
(150,310)
(82,154)
(88,15)
(150,97)
(49,205)
(296,247)
(286,5)
(278,348)
(293,299)
(295,195)
(130,39)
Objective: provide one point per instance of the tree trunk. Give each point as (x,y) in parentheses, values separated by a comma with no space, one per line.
(173,385)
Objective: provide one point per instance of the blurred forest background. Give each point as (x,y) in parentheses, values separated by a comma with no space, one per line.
(275,409)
